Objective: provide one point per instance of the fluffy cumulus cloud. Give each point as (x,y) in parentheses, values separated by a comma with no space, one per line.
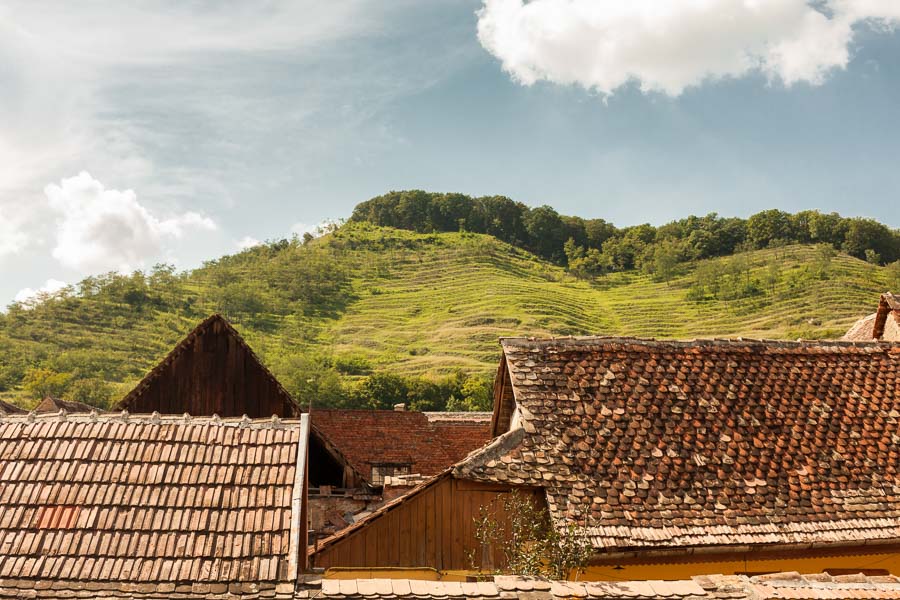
(668,45)
(99,229)
(29,297)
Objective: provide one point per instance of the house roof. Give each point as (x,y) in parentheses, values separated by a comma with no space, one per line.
(666,445)
(152,502)
(884,324)
(54,405)
(211,371)
(428,444)
(11,409)
(776,586)
(461,432)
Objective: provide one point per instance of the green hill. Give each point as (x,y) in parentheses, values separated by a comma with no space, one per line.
(365,300)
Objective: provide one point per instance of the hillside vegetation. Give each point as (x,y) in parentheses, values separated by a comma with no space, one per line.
(367,316)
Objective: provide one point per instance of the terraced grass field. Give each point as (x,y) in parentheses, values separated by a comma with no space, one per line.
(422,304)
(446,306)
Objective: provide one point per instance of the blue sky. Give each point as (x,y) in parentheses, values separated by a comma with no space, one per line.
(178,131)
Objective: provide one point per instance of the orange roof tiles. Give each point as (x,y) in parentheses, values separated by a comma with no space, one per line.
(461,432)
(776,586)
(155,500)
(655,445)
(428,444)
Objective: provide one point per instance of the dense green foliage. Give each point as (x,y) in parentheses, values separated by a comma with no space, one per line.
(592,246)
(369,316)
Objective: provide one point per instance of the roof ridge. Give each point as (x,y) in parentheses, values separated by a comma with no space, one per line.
(578,341)
(151,419)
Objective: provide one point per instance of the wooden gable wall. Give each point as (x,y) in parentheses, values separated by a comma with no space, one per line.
(504,401)
(433,527)
(212,371)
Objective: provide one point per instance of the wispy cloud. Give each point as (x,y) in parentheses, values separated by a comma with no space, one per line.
(669,46)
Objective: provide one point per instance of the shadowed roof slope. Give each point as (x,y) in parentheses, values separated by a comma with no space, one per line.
(655,445)
(211,371)
(391,437)
(11,409)
(160,501)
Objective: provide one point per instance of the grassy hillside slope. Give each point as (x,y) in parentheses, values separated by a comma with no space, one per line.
(411,303)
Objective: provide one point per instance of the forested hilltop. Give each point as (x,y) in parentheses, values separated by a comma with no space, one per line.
(406,301)
(594,246)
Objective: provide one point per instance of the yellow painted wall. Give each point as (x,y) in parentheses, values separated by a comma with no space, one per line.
(890,562)
(670,571)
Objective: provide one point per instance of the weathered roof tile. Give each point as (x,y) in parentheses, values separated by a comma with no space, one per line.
(136,514)
(657,444)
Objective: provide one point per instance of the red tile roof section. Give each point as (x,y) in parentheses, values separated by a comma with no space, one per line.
(428,444)
(461,432)
(776,586)
(656,445)
(163,501)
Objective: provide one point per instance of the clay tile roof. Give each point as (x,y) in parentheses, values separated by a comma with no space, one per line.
(881,325)
(428,444)
(148,502)
(461,432)
(657,445)
(11,409)
(793,586)
(54,405)
(778,586)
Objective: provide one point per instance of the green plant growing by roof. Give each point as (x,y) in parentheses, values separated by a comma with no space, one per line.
(530,543)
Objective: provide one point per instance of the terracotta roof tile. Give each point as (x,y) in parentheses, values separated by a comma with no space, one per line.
(461,432)
(147,500)
(708,587)
(670,444)
(425,442)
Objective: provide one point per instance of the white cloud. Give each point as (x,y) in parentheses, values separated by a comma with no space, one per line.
(247,242)
(669,45)
(300,228)
(99,229)
(29,297)
(319,229)
(12,237)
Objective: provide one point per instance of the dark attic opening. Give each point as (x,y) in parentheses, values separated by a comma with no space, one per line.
(324,469)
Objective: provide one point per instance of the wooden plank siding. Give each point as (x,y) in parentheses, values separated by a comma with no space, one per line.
(212,371)
(433,527)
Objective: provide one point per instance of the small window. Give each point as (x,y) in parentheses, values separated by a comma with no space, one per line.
(380,471)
